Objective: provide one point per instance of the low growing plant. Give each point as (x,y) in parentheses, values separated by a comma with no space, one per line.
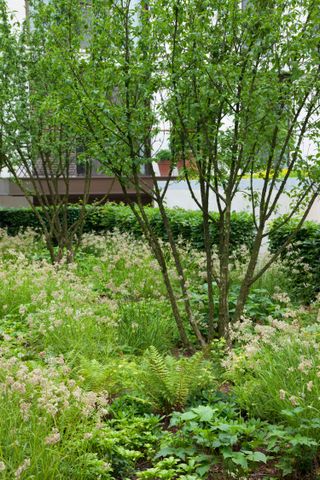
(169,382)
(278,371)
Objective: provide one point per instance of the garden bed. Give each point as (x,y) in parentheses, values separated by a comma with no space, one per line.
(95,384)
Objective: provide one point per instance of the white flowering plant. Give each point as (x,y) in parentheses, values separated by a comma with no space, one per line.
(80,390)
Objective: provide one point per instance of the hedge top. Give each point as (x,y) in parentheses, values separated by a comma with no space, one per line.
(184,223)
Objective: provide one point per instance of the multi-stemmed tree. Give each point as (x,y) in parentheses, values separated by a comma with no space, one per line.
(243,95)
(38,142)
(239,82)
(241,90)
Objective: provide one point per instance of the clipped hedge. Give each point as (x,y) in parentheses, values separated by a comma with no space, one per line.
(17,219)
(302,256)
(184,223)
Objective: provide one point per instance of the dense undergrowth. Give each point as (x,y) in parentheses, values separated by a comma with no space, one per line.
(94,384)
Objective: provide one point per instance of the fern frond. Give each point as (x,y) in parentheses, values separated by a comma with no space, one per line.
(157,364)
(169,382)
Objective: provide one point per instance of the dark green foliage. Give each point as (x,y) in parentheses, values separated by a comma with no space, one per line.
(210,435)
(17,219)
(301,258)
(259,305)
(185,224)
(117,449)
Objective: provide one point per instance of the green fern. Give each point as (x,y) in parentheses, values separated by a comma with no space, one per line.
(187,378)
(155,378)
(157,364)
(169,382)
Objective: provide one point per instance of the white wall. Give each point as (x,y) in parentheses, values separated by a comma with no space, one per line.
(18,7)
(178,195)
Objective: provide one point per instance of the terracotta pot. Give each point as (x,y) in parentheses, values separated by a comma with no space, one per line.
(180,164)
(164,167)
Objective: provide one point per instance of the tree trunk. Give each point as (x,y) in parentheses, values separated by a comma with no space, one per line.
(246,282)
(224,245)
(182,280)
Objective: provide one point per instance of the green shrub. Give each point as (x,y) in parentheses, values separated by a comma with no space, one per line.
(301,259)
(185,224)
(125,443)
(260,303)
(52,428)
(16,219)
